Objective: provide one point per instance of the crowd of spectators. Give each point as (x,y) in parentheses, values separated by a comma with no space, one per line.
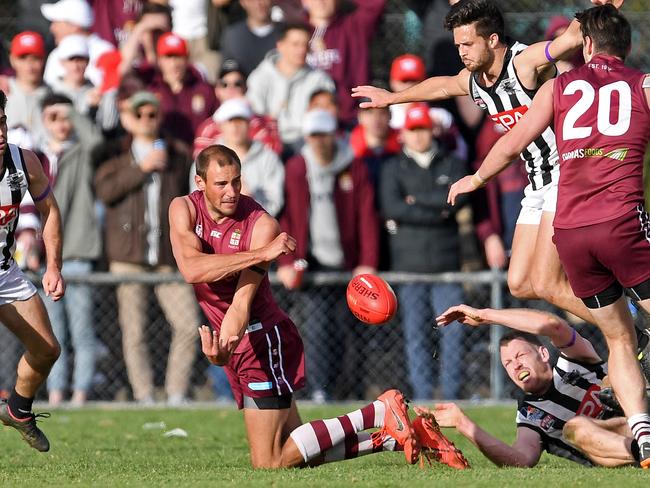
(133,90)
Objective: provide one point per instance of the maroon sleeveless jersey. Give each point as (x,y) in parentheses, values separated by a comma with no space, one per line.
(602,126)
(231,236)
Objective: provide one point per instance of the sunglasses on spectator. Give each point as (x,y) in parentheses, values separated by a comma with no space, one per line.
(232,84)
(148,114)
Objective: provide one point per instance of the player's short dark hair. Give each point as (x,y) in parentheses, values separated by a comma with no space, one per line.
(3,100)
(55,99)
(488,17)
(222,155)
(511,335)
(289,26)
(607,28)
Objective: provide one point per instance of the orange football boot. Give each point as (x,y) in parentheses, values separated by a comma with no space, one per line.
(397,425)
(435,444)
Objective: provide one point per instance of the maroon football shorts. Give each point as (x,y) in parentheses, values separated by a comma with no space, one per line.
(269,361)
(595,256)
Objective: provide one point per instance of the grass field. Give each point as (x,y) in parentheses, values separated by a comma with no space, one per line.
(111,448)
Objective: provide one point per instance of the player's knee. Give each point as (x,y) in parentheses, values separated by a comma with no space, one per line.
(50,352)
(519,286)
(574,429)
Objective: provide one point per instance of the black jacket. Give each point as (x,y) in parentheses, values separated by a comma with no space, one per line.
(423,235)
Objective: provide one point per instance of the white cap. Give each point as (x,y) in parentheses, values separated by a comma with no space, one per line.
(77,12)
(318,122)
(235,108)
(73,46)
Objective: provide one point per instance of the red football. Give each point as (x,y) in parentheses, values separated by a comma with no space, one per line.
(371,299)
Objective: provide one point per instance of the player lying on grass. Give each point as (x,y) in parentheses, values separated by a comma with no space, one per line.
(601,115)
(502,76)
(223,243)
(560,411)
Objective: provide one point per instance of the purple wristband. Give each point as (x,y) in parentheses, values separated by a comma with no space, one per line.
(42,195)
(571,342)
(548,54)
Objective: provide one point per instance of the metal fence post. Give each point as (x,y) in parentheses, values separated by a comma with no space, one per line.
(496,332)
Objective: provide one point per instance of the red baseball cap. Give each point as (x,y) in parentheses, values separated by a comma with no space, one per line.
(407,67)
(417,117)
(170,44)
(28,42)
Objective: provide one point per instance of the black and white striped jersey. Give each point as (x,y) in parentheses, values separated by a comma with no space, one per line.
(574,392)
(13,185)
(507,101)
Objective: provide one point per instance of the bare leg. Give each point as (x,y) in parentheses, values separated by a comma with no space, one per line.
(616,324)
(265,430)
(520,268)
(605,442)
(548,279)
(29,322)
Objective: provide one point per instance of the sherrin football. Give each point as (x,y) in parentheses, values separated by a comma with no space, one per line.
(371,299)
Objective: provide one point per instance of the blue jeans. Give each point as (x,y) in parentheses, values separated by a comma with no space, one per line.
(71,318)
(419,304)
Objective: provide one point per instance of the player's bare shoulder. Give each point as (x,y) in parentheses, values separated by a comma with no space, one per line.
(266,229)
(181,211)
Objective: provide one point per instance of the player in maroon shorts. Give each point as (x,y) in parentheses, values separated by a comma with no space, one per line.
(223,243)
(601,114)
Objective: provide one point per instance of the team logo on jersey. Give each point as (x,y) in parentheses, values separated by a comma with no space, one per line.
(547,422)
(508,118)
(198,230)
(216,234)
(509,86)
(17,180)
(532,414)
(235,237)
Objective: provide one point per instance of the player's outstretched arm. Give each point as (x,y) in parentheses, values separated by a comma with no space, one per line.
(199,267)
(536,322)
(39,188)
(506,150)
(429,90)
(525,452)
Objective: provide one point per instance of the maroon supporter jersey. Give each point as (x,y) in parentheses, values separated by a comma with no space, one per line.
(231,236)
(602,126)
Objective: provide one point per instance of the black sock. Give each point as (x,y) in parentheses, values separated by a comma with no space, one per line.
(20,406)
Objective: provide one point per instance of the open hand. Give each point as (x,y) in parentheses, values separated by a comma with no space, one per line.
(464,185)
(218,351)
(461,313)
(379,98)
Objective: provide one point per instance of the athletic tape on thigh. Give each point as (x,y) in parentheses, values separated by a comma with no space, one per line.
(606,297)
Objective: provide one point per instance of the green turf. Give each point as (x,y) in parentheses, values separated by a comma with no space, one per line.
(110,448)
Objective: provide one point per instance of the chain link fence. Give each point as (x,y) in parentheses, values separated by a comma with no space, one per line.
(346,360)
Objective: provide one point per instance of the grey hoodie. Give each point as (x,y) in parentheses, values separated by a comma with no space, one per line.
(325,239)
(285,100)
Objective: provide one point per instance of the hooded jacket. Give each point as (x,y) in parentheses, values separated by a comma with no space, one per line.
(285,99)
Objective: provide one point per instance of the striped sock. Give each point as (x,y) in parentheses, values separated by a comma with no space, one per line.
(356,446)
(640,427)
(318,436)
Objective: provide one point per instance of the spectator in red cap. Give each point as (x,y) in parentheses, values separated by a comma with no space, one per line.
(186,100)
(69,17)
(407,70)
(424,239)
(25,91)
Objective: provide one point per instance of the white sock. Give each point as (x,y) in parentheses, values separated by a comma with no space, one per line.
(640,426)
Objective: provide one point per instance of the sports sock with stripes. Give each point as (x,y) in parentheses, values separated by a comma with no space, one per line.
(640,427)
(318,436)
(357,445)
(19,406)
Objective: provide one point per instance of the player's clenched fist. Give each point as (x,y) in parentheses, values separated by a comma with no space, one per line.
(282,244)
